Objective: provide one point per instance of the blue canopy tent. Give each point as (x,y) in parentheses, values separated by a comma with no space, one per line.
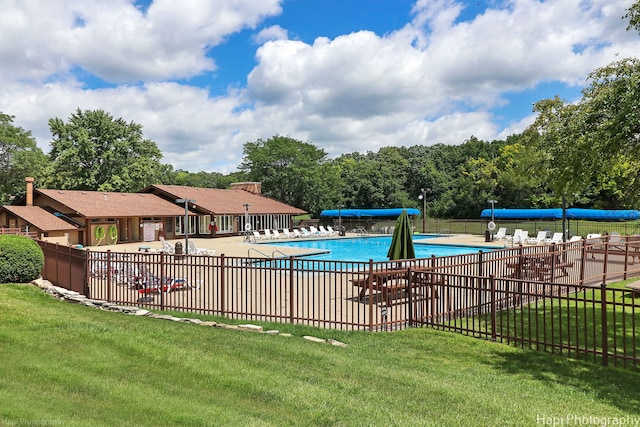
(556,213)
(369,213)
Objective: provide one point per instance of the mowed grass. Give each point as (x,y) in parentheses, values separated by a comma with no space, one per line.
(65,364)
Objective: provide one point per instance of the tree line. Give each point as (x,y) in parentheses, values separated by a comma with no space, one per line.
(584,154)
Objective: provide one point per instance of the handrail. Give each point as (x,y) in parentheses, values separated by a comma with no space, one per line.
(280,252)
(260,252)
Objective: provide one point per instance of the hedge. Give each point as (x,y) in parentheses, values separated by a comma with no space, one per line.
(21,259)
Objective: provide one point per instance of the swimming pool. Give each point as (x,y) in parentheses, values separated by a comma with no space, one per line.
(362,249)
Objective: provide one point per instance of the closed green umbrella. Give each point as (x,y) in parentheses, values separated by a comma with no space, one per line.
(402,242)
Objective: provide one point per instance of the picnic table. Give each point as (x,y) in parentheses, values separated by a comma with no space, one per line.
(392,283)
(539,267)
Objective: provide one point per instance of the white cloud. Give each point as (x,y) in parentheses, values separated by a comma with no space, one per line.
(119,43)
(436,80)
(274,32)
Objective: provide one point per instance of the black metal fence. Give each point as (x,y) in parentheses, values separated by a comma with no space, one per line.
(549,297)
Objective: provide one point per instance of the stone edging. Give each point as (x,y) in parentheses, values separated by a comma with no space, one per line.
(77,298)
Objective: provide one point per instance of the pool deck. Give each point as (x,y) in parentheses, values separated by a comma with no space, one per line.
(236,246)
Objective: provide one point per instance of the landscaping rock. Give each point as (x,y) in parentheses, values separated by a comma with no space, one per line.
(314,339)
(252,328)
(77,298)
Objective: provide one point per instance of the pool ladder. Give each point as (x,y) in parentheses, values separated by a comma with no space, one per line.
(265,255)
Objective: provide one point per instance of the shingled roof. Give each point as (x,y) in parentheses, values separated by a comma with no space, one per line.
(40,218)
(102,204)
(218,201)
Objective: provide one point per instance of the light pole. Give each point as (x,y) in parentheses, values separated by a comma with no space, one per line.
(186,222)
(493,203)
(423,197)
(247,225)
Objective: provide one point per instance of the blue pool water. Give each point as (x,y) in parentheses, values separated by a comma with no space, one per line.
(362,249)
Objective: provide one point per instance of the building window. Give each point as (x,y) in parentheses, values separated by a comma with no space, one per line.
(180,225)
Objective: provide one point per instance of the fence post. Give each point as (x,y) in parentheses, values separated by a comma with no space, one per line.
(370,288)
(109,275)
(86,255)
(409,298)
(492,288)
(603,321)
(223,299)
(291,276)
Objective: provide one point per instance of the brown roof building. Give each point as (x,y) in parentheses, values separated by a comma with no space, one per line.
(94,218)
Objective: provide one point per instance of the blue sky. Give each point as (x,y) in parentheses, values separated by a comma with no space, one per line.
(205,76)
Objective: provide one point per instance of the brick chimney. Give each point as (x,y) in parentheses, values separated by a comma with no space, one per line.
(251,187)
(29,191)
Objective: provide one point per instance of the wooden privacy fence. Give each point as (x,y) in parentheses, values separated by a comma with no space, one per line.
(549,297)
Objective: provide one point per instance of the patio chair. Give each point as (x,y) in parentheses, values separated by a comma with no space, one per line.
(167,247)
(332,231)
(286,233)
(539,239)
(306,233)
(556,238)
(193,250)
(314,231)
(267,234)
(519,237)
(297,234)
(324,231)
(501,234)
(257,235)
(276,234)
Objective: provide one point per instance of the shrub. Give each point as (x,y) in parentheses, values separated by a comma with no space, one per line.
(21,259)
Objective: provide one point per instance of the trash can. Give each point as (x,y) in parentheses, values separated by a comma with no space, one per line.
(487,237)
(178,250)
(343,231)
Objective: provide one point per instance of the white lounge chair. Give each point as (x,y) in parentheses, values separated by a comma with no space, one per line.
(556,238)
(314,231)
(167,247)
(522,239)
(193,250)
(267,234)
(257,235)
(324,231)
(501,234)
(306,233)
(286,233)
(332,231)
(276,234)
(515,236)
(296,233)
(539,239)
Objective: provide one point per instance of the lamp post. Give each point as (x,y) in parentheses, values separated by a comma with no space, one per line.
(493,203)
(246,221)
(186,222)
(423,197)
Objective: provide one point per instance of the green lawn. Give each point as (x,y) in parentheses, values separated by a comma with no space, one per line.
(64,364)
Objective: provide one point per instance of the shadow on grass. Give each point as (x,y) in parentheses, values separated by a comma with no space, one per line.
(615,386)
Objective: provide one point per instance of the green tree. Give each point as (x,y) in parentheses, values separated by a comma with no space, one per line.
(294,172)
(375,180)
(94,151)
(19,157)
(633,15)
